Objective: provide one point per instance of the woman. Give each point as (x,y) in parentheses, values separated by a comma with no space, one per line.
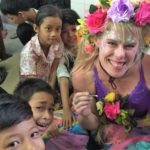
(115,63)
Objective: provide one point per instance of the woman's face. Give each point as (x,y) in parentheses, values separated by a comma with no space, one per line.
(117,53)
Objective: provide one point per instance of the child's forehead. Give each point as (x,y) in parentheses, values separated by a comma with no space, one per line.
(15,130)
(42,97)
(121,37)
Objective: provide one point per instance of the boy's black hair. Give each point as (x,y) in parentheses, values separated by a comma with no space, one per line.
(28,87)
(13,111)
(47,11)
(70,16)
(14,6)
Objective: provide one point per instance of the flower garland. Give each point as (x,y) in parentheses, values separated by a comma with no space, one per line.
(118,11)
(111,110)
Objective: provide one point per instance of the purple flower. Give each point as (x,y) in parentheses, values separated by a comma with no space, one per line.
(121,10)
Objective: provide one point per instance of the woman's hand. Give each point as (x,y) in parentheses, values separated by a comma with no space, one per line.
(82,102)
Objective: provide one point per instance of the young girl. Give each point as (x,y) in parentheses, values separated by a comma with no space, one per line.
(69,39)
(41,96)
(40,56)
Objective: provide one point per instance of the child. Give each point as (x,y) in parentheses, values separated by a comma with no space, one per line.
(21,13)
(17,127)
(40,96)
(40,56)
(69,39)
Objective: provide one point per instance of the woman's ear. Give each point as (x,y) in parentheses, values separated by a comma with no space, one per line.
(36,28)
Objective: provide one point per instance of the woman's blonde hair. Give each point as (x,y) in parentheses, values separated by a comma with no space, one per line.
(86,61)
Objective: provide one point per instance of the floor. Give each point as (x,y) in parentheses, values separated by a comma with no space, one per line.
(14,47)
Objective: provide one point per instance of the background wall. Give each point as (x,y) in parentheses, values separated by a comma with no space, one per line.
(80,6)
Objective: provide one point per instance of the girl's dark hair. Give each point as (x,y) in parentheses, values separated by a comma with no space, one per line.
(47,11)
(13,111)
(14,6)
(70,16)
(28,87)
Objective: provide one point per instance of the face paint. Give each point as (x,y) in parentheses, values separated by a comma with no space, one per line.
(127,38)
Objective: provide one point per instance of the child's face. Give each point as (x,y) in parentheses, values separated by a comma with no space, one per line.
(49,31)
(23,136)
(16,19)
(69,36)
(42,104)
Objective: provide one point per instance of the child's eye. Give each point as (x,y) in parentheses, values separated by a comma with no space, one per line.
(51,110)
(48,28)
(13,144)
(35,134)
(40,108)
(58,29)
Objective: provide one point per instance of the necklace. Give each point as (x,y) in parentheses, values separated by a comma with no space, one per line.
(111,79)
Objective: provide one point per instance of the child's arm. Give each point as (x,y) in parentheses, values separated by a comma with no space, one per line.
(52,78)
(68,117)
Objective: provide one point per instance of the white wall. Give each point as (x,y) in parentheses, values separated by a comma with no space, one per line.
(80,6)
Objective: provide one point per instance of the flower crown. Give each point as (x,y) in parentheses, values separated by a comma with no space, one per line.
(118,11)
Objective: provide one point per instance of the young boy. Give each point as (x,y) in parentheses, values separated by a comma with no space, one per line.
(21,13)
(17,127)
(41,97)
(69,38)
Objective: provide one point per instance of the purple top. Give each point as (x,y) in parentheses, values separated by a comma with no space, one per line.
(139,99)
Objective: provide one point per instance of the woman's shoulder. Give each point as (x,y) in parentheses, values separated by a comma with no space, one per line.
(146,68)
(83,80)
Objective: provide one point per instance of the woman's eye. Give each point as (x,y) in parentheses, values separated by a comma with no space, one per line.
(111,43)
(35,134)
(13,144)
(129,46)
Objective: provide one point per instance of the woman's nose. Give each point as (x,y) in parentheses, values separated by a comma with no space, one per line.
(120,51)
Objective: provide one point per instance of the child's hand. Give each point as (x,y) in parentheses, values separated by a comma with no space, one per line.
(68,118)
(52,130)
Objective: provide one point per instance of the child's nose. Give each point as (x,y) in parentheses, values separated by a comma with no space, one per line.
(46,115)
(30,145)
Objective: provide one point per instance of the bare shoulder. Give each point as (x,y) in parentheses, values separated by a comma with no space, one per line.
(146,68)
(83,80)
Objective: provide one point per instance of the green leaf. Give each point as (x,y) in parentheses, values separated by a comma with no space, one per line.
(123,100)
(131,112)
(104,3)
(92,9)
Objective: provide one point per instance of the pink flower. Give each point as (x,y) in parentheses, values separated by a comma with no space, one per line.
(96,20)
(88,48)
(142,16)
(112,110)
